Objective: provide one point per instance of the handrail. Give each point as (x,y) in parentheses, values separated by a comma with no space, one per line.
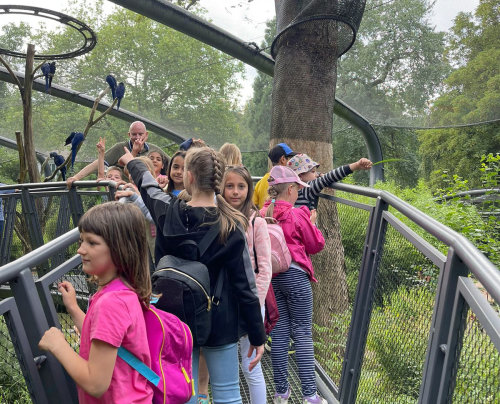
(487,273)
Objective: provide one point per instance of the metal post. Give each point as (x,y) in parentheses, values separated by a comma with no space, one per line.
(440,326)
(75,205)
(360,320)
(35,323)
(32,221)
(23,351)
(8,231)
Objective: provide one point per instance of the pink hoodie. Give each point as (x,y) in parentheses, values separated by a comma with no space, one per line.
(258,231)
(302,237)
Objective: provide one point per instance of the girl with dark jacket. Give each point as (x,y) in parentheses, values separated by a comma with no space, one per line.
(203,173)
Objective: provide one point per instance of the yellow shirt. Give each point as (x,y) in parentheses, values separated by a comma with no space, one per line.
(260,194)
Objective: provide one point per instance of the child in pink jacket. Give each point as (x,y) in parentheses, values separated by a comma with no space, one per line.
(293,287)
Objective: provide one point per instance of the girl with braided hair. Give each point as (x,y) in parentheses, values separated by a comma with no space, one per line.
(239,304)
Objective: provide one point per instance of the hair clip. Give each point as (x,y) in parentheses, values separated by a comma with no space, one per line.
(273,200)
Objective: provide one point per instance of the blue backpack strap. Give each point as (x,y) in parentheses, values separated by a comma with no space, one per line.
(138,365)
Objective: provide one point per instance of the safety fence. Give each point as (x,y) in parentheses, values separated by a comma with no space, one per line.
(406,310)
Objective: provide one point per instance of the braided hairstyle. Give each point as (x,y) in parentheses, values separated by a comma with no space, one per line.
(274,191)
(207,167)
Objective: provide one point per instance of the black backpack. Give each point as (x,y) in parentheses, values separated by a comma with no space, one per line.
(184,286)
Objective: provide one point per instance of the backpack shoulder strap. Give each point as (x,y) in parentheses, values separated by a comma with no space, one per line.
(254,251)
(135,363)
(208,238)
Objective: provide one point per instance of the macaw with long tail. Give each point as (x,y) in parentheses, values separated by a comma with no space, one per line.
(58,160)
(112,84)
(120,92)
(75,139)
(46,73)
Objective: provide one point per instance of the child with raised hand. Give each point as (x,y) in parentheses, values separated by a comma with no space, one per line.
(238,191)
(204,169)
(292,288)
(114,251)
(305,167)
(175,173)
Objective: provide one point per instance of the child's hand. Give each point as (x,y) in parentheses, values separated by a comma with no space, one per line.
(101,145)
(126,193)
(314,215)
(126,158)
(68,294)
(52,338)
(162,181)
(361,164)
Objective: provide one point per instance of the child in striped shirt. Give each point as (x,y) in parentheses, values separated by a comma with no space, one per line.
(305,167)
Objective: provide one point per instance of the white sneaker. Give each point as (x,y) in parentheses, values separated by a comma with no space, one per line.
(281,398)
(314,400)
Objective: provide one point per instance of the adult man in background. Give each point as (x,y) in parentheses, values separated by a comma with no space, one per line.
(136,144)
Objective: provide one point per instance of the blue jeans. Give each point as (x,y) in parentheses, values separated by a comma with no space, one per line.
(223,368)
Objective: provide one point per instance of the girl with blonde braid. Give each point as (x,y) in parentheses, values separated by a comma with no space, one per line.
(203,173)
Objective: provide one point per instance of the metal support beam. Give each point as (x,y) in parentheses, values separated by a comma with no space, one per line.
(88,101)
(183,21)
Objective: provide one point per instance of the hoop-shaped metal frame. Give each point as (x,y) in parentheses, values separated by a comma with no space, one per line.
(87,33)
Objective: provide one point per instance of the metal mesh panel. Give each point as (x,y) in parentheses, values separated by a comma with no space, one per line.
(337,268)
(13,387)
(477,371)
(84,290)
(397,338)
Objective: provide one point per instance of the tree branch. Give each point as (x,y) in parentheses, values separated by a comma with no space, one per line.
(14,77)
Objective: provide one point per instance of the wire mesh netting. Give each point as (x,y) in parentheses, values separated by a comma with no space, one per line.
(477,371)
(84,289)
(398,333)
(13,387)
(336,268)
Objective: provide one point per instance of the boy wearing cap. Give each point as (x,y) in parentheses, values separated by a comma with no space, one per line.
(305,167)
(279,156)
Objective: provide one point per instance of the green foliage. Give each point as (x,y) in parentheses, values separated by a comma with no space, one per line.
(396,63)
(398,337)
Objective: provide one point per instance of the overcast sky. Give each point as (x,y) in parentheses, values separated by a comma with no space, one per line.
(247,19)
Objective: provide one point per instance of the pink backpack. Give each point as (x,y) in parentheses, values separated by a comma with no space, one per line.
(171,347)
(280,254)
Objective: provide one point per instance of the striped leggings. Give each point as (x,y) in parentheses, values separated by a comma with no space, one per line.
(294,298)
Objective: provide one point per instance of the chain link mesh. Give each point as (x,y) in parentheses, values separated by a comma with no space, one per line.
(477,371)
(13,388)
(398,333)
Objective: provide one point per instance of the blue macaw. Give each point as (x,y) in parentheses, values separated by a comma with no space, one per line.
(52,72)
(58,160)
(112,84)
(120,92)
(75,139)
(46,72)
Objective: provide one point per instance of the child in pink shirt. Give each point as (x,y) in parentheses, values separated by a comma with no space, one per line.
(113,248)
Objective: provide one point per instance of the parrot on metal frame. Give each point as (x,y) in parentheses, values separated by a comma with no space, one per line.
(46,73)
(58,160)
(120,91)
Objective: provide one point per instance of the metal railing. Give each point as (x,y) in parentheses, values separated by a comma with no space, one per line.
(411,316)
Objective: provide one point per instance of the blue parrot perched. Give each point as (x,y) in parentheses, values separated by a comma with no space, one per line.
(52,72)
(58,160)
(120,92)
(112,84)
(46,73)
(75,139)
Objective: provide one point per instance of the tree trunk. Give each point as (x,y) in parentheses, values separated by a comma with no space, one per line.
(29,144)
(303,97)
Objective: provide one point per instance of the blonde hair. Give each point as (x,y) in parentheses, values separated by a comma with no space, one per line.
(145,160)
(121,225)
(207,167)
(274,191)
(231,154)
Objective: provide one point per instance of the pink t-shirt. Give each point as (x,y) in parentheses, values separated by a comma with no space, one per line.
(116,317)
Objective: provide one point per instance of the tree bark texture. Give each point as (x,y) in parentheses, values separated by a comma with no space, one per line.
(302,116)
(29,144)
